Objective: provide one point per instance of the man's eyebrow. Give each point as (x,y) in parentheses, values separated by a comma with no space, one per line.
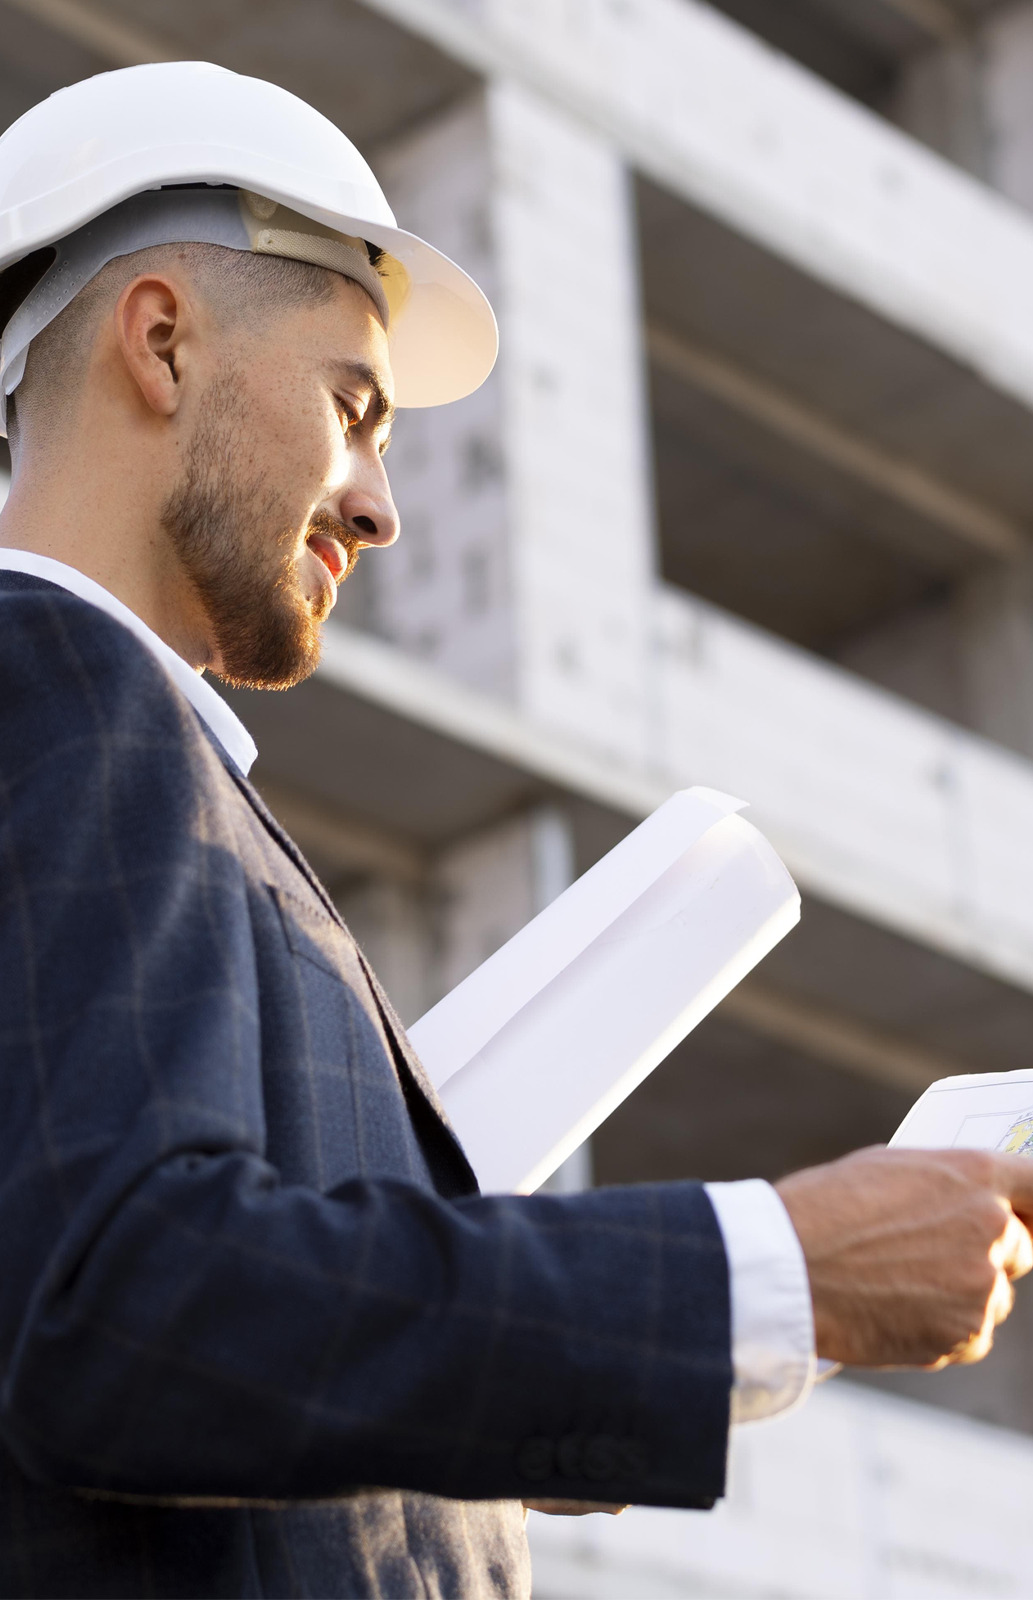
(381,411)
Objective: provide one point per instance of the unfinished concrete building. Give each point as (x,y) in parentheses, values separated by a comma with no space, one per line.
(748,502)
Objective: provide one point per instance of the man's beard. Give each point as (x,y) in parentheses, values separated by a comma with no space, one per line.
(265,631)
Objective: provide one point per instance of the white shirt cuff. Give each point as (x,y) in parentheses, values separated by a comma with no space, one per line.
(773,1359)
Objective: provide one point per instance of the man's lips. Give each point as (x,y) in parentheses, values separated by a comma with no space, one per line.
(331,553)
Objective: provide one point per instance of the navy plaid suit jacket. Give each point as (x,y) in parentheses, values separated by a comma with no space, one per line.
(259,1334)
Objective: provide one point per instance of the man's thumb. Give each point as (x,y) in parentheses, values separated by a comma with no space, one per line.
(1014,1182)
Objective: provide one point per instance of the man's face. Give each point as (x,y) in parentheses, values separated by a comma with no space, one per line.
(284,483)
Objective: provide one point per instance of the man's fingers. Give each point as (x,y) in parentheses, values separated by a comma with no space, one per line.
(978,1347)
(998,1306)
(1002,1300)
(574,1508)
(1013,1251)
(1015,1183)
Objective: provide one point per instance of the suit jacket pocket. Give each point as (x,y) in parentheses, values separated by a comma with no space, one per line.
(313,934)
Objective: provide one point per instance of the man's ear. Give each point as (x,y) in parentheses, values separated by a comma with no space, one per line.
(150,327)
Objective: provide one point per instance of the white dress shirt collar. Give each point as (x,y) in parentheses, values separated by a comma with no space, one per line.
(210,707)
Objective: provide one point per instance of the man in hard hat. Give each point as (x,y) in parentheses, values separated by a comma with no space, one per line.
(259,1334)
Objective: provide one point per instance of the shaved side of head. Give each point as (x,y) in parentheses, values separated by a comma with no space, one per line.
(238,289)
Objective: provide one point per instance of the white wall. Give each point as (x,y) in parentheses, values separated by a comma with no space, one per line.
(881,807)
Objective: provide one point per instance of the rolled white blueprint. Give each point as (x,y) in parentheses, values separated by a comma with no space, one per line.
(536,1048)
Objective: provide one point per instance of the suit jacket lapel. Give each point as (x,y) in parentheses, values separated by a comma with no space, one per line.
(412,1061)
(406,1058)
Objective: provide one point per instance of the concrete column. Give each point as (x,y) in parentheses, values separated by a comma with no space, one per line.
(445,592)
(968,657)
(526,555)
(552,858)
(971,101)
(995,629)
(487,888)
(1007,56)
(392,923)
(941,99)
(484,889)
(424,938)
(581,514)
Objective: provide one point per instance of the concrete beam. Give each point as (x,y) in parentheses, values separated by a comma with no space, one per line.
(120,43)
(876,806)
(964,518)
(934,17)
(837,1039)
(403,685)
(881,808)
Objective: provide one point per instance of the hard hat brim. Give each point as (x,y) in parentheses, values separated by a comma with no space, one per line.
(443,342)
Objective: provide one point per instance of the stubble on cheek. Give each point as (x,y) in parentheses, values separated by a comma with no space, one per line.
(230,528)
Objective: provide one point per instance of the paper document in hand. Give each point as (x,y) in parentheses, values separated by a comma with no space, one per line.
(539,1045)
(974,1111)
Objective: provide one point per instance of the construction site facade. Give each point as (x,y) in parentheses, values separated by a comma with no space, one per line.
(746,503)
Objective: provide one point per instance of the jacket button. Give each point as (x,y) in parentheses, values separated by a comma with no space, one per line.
(600,1457)
(534,1458)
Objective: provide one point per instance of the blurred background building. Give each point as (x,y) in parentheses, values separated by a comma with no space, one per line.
(748,502)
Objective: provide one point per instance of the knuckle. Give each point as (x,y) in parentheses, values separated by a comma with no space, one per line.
(977,1167)
(967,1316)
(993,1217)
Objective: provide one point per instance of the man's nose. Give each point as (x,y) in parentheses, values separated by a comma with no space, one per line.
(368,510)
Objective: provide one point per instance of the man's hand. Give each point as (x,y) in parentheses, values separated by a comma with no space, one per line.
(573,1508)
(912,1253)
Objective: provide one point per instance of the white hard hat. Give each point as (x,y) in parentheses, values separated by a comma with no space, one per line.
(306,193)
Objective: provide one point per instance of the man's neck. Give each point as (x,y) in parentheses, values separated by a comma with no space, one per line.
(114,538)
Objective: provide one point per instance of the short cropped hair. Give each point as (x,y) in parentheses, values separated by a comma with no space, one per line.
(238,288)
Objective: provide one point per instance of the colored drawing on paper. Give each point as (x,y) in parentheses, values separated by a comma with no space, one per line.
(1018,1140)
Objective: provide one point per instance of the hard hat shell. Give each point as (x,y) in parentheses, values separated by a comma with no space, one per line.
(90,146)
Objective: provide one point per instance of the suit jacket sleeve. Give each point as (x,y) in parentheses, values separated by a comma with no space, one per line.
(175,1320)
